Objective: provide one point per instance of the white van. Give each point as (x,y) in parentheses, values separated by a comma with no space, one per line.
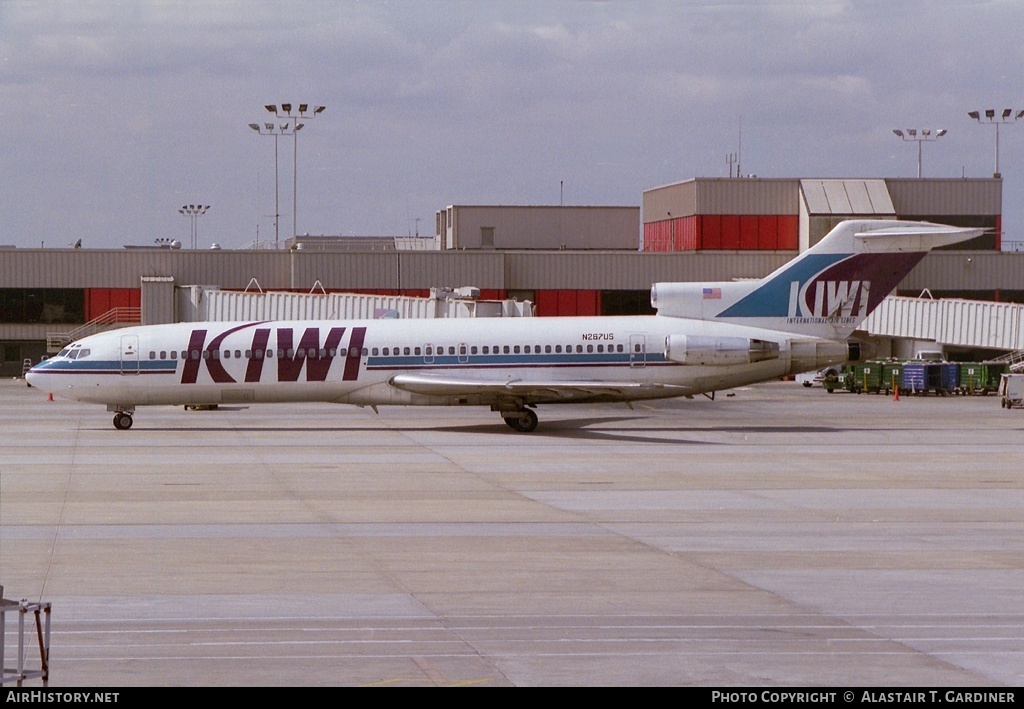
(1011,390)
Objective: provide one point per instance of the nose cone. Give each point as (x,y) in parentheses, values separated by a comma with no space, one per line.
(35,377)
(41,377)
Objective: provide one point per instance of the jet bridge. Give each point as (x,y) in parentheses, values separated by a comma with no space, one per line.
(951,321)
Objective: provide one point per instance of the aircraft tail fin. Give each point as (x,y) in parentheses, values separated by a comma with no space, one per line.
(828,290)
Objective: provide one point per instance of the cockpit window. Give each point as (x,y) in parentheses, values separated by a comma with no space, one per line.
(63,352)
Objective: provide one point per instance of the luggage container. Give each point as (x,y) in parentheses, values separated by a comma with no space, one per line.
(892,375)
(995,371)
(981,377)
(921,377)
(866,376)
(949,377)
(972,377)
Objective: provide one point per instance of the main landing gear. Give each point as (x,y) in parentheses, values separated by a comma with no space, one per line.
(523,420)
(122,415)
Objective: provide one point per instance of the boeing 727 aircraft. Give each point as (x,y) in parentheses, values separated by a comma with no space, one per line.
(706,337)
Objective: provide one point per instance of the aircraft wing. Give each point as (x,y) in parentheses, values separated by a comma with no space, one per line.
(460,385)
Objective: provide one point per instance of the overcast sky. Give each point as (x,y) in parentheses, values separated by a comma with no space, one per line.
(115,113)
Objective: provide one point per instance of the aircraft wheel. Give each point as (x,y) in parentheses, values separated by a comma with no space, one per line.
(122,421)
(524,421)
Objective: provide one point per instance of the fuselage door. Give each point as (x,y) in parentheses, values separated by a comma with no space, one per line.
(129,354)
(463,353)
(637,350)
(428,354)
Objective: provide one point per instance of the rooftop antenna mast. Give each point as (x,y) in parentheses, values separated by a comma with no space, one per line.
(739,149)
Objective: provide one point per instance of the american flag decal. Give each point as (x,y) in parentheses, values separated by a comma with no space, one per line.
(712,294)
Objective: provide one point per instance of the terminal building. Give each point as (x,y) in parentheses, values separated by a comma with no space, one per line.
(570,260)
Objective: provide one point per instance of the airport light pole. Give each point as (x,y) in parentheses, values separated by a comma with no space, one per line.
(924,135)
(302,114)
(193,212)
(1007,116)
(276,131)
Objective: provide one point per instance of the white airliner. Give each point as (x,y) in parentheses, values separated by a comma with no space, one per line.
(706,337)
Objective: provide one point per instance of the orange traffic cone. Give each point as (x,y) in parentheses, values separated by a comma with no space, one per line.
(49,397)
(895,390)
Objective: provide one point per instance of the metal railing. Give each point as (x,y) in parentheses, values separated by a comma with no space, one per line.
(19,672)
(113,318)
(1014,359)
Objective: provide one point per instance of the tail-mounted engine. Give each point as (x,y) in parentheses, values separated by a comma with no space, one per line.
(718,351)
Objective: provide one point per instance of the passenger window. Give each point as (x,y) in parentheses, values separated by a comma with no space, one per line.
(152,354)
(300,352)
(406,351)
(600,348)
(590,348)
(486,349)
(417,351)
(472,350)
(227,354)
(526,349)
(506,349)
(374,351)
(579,348)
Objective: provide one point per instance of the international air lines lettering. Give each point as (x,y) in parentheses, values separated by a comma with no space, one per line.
(308,353)
(831,301)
